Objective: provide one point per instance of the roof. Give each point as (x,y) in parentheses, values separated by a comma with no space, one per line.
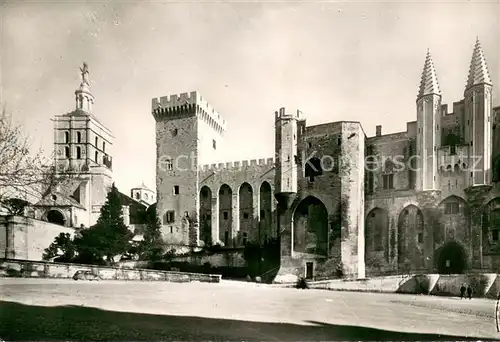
(478,70)
(429,84)
(62,195)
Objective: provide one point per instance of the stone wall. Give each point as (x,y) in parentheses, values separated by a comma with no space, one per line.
(31,269)
(25,238)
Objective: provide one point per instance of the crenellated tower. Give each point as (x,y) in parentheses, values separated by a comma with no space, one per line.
(478,117)
(286,154)
(429,130)
(189,133)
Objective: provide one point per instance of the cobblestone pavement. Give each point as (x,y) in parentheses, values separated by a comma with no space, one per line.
(43,309)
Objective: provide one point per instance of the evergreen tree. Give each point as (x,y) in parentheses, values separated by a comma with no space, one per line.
(109,236)
(62,249)
(151,247)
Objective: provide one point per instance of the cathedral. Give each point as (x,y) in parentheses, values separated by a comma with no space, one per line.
(84,169)
(423,200)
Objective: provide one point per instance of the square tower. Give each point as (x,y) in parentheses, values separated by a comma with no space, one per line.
(189,133)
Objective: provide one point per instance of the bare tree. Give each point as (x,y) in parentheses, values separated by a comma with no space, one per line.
(23,172)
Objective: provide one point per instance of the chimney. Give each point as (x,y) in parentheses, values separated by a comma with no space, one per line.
(378,130)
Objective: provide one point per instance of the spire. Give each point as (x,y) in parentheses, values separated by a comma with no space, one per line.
(84,98)
(429,83)
(478,70)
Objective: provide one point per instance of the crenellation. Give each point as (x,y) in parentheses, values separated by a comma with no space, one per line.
(253,162)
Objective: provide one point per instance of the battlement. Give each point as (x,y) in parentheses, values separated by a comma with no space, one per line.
(187,104)
(238,165)
(282,114)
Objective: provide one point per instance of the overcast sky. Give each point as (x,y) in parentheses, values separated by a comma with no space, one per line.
(333,61)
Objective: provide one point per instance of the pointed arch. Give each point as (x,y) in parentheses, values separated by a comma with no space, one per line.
(225,214)
(410,238)
(310,227)
(205,198)
(265,215)
(454,220)
(377,232)
(246,214)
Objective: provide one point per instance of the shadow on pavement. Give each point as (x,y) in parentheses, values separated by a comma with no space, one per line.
(30,323)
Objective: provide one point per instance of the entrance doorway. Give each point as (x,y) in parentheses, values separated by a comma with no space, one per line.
(309,270)
(452,259)
(56,217)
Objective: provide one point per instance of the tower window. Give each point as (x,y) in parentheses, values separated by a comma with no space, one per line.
(78,137)
(420,237)
(494,235)
(137,195)
(310,145)
(104,159)
(170,164)
(96,157)
(66,137)
(226,215)
(169,216)
(339,141)
(245,216)
(214,144)
(176,189)
(388,181)
(78,152)
(96,142)
(245,238)
(66,152)
(262,214)
(103,146)
(174,132)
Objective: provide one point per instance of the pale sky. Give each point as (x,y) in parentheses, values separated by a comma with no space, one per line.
(332,60)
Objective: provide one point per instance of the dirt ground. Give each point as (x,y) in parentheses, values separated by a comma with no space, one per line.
(43,309)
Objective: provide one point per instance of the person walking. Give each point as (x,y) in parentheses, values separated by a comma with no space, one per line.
(462,291)
(469,292)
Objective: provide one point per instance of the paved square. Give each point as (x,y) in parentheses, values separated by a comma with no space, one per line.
(44,309)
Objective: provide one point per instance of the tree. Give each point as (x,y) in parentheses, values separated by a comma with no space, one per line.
(23,172)
(152,246)
(63,248)
(109,236)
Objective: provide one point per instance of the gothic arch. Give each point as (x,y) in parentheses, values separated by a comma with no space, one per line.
(205,198)
(491,225)
(496,170)
(377,232)
(225,214)
(265,222)
(453,220)
(246,214)
(310,227)
(410,237)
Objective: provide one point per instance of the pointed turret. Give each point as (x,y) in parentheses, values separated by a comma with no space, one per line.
(429,84)
(478,70)
(429,133)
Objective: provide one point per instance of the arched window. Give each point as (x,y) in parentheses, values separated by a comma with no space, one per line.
(96,141)
(313,168)
(104,146)
(66,137)
(66,152)
(78,152)
(388,176)
(96,156)
(137,195)
(78,137)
